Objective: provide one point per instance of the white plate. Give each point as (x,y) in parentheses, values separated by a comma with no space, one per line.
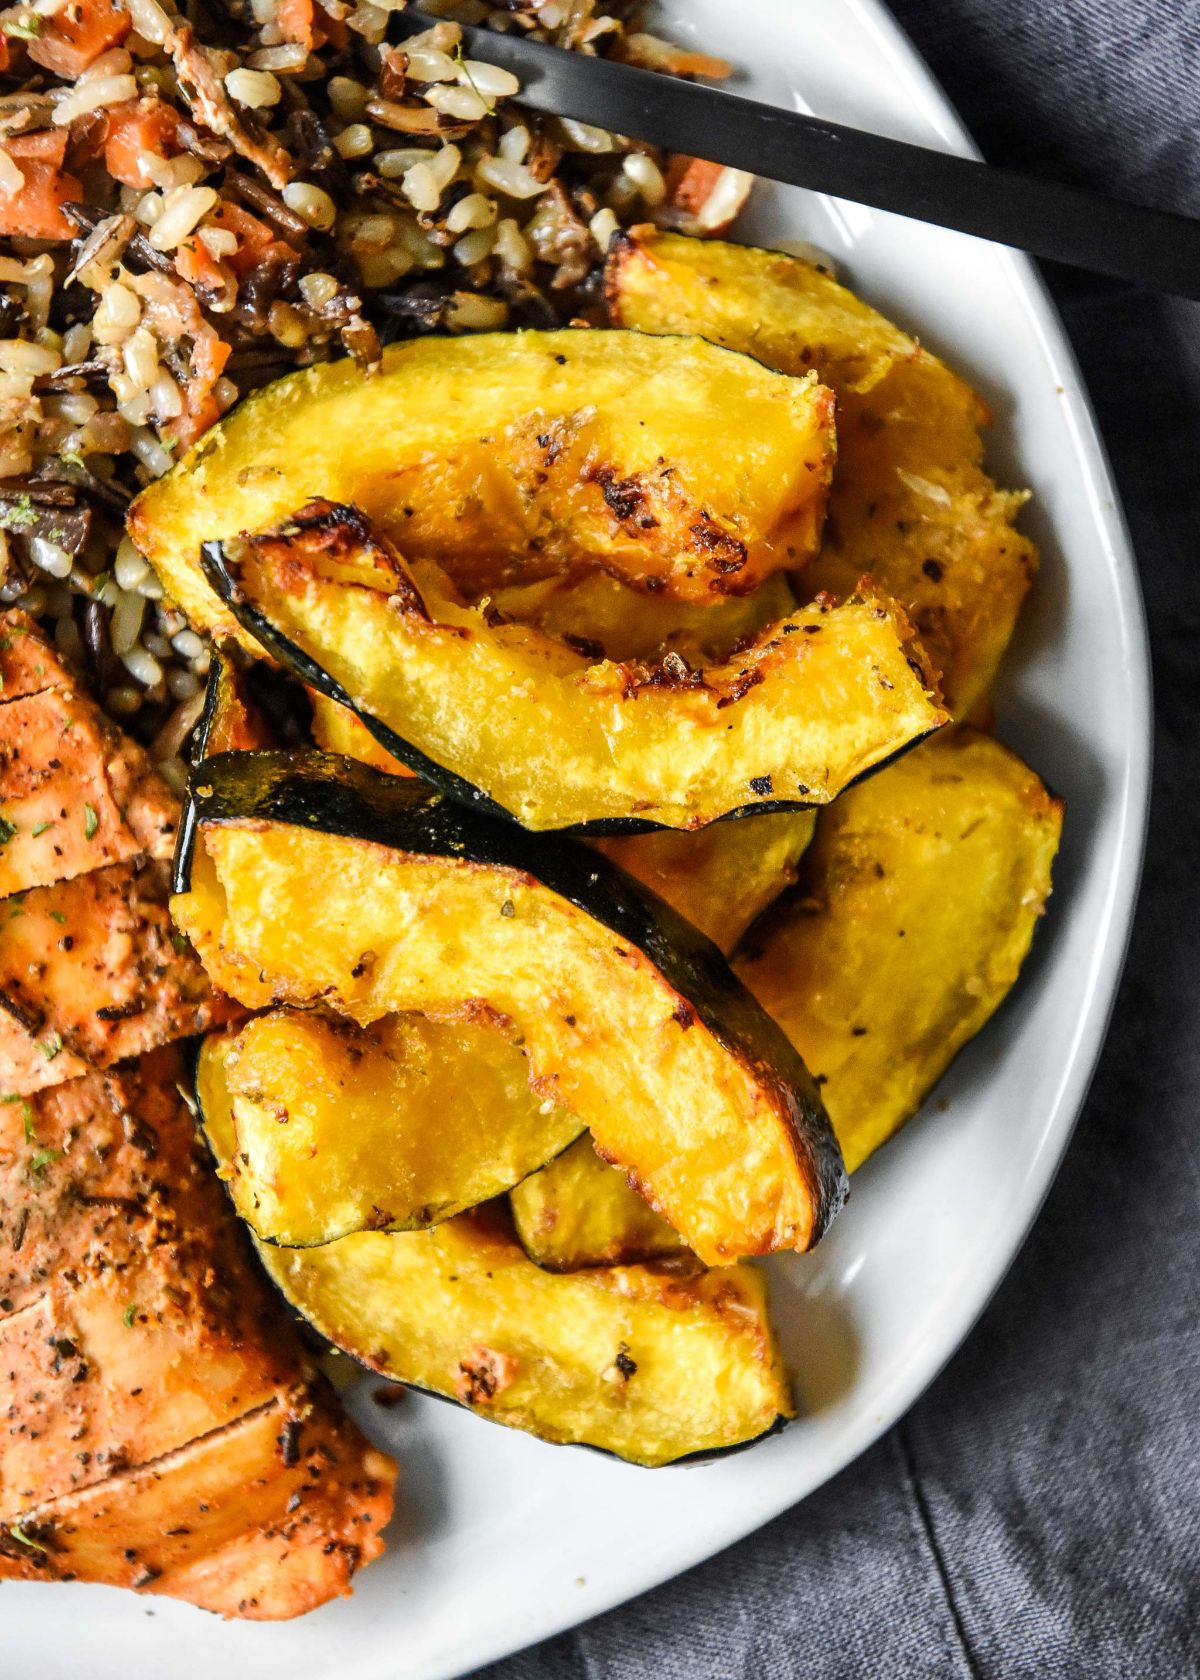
(501,1540)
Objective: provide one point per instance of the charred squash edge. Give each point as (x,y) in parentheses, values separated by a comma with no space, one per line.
(216,566)
(339,796)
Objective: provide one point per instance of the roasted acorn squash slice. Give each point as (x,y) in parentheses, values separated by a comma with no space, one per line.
(917,902)
(911,505)
(644,1362)
(340,1128)
(304,877)
(578,1211)
(719,878)
(679,465)
(505,714)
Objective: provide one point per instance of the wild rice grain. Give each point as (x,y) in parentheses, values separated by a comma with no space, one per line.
(318,289)
(462,103)
(126,625)
(182,210)
(312,204)
(427,64)
(94,96)
(258,89)
(647,177)
(355,141)
(49,557)
(420,188)
(348,98)
(142,667)
(129,567)
(488,80)
(474,211)
(514,180)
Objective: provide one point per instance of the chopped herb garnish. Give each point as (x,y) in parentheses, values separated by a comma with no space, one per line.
(17,1532)
(59,917)
(7,830)
(91,822)
(27,1110)
(71,458)
(40,828)
(43,1159)
(180,942)
(23,514)
(129,1315)
(52,1046)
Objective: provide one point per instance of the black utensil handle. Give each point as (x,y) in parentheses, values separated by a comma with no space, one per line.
(1067,224)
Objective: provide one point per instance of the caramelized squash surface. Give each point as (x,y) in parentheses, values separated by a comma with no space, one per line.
(917,903)
(516,455)
(316,878)
(475,706)
(911,505)
(648,1364)
(398,1125)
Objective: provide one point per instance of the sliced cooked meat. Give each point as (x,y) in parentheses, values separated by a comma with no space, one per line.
(75,794)
(93,966)
(148,1374)
(264,1519)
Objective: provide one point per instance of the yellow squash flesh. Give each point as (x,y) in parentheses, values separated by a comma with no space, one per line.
(815,701)
(720,877)
(911,505)
(508,455)
(281,914)
(916,906)
(648,1364)
(578,1212)
(390,1127)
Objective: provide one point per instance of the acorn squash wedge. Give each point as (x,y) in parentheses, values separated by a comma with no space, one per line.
(394,1126)
(911,505)
(506,717)
(719,878)
(915,909)
(644,1362)
(305,878)
(513,455)
(577,1211)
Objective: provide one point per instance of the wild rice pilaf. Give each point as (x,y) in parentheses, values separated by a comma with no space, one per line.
(193,203)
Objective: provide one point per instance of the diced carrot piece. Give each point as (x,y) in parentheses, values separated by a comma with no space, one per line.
(140,125)
(34,210)
(295,21)
(209,355)
(76,36)
(330,31)
(707,196)
(195,263)
(254,237)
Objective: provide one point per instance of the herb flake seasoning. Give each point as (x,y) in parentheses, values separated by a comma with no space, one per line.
(7,830)
(52,1046)
(43,1158)
(128,1316)
(19,1534)
(91,822)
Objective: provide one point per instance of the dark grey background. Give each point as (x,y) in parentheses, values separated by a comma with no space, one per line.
(1038,1512)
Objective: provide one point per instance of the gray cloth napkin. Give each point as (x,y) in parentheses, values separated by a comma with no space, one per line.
(1037,1513)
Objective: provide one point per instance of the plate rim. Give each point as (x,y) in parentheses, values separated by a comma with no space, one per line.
(1096,1015)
